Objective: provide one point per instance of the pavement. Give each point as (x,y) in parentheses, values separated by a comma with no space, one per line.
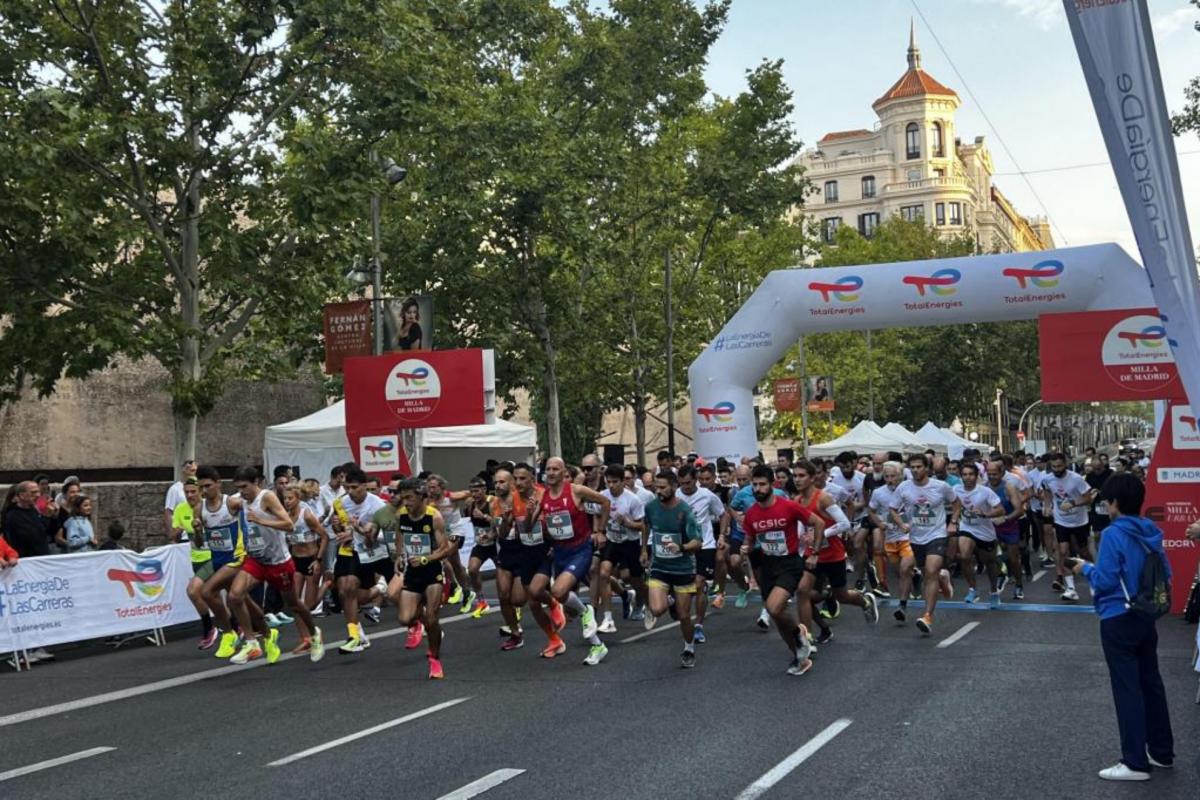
(1015,706)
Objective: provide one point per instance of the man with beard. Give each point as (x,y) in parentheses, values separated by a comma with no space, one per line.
(669,550)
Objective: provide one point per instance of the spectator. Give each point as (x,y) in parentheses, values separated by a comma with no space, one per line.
(45,496)
(282,477)
(175,495)
(28,530)
(8,556)
(1127,635)
(64,496)
(116,531)
(64,502)
(76,534)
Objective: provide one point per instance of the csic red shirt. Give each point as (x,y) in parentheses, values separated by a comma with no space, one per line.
(776,527)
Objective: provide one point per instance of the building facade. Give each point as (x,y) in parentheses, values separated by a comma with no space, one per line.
(913,164)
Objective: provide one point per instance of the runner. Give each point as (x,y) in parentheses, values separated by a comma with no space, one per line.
(445,501)
(624,534)
(775,523)
(633,484)
(187,521)
(708,480)
(561,512)
(267,561)
(669,550)
(1069,497)
(592,476)
(221,517)
(529,560)
(1008,528)
(307,541)
(745,565)
(420,530)
(362,568)
(895,539)
(707,509)
(981,506)
(479,510)
(846,477)
(872,481)
(919,509)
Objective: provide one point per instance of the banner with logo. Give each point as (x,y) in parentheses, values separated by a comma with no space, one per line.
(69,598)
(1106,355)
(1173,495)
(794,302)
(347,332)
(1115,42)
(787,394)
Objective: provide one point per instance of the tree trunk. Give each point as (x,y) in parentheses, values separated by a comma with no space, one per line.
(550,386)
(639,425)
(187,378)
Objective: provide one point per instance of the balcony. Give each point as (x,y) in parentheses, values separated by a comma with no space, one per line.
(925,184)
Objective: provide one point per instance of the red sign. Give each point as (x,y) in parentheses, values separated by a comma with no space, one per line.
(787,394)
(414,390)
(347,332)
(1173,496)
(1106,355)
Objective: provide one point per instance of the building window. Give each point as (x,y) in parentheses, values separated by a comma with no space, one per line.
(939,213)
(867,223)
(939,149)
(868,186)
(956,213)
(831,194)
(912,140)
(912,213)
(939,173)
(829,227)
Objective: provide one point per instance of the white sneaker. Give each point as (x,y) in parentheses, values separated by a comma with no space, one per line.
(1070,595)
(381,585)
(649,620)
(41,654)
(1120,772)
(607,626)
(272,620)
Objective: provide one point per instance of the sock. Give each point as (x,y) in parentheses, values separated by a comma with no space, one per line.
(206,622)
(689,647)
(593,640)
(575,604)
(1071,582)
(608,616)
(904,603)
(352,629)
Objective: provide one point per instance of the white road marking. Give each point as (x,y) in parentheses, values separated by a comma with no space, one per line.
(182,680)
(781,770)
(383,726)
(1038,574)
(958,634)
(54,762)
(651,632)
(476,788)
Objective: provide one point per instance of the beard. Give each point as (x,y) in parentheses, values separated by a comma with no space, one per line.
(762,497)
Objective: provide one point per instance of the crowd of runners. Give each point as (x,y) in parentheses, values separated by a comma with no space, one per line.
(808,537)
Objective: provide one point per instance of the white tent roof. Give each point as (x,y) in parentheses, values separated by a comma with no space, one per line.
(865,437)
(913,441)
(931,434)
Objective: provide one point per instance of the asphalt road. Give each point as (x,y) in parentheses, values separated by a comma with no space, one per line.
(1017,706)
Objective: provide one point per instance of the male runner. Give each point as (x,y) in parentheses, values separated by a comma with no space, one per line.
(846,477)
(1007,487)
(445,501)
(479,509)
(895,540)
(221,518)
(742,566)
(1069,495)
(362,556)
(708,509)
(981,506)
(708,480)
(673,538)
(872,481)
(421,532)
(622,548)
(526,558)
(919,509)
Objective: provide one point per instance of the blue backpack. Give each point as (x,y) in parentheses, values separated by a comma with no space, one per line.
(1153,596)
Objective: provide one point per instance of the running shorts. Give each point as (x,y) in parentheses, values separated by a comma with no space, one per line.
(898,550)
(831,572)
(706,564)
(277,576)
(302,564)
(384,568)
(484,552)
(1077,535)
(988,546)
(202,569)
(530,562)
(671,581)
(624,555)
(577,561)
(226,558)
(782,571)
(935,548)
(418,579)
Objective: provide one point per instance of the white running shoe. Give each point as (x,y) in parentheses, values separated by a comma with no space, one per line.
(1120,772)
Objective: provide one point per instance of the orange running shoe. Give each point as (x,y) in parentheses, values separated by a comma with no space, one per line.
(435,669)
(556,648)
(481,608)
(557,615)
(718,602)
(416,633)
(304,646)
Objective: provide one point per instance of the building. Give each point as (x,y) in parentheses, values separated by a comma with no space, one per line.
(914,164)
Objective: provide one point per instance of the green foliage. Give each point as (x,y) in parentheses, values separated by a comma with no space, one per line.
(1189,118)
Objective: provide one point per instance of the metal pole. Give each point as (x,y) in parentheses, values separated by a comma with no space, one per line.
(999,420)
(1021,423)
(670,355)
(803,402)
(376,269)
(870,379)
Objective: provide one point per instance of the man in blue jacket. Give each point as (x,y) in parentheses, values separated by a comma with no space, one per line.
(1128,636)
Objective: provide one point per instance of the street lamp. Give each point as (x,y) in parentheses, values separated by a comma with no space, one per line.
(395,175)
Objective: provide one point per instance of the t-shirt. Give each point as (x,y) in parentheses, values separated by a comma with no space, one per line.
(676,524)
(951,480)
(175,496)
(777,527)
(976,506)
(363,512)
(626,504)
(1035,483)
(925,507)
(1070,487)
(1096,481)
(184,517)
(707,507)
(328,495)
(855,489)
(643,494)
(881,503)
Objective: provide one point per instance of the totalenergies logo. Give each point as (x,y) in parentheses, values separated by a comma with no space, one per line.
(940,283)
(1043,274)
(844,289)
(721,412)
(383,448)
(415,378)
(1151,336)
(146,578)
(1190,422)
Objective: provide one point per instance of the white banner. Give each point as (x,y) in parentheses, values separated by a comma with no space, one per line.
(55,599)
(1116,49)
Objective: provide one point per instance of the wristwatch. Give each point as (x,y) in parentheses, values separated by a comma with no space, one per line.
(424,560)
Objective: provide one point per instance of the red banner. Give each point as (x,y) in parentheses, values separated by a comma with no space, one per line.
(414,390)
(1106,355)
(1173,496)
(347,332)
(787,394)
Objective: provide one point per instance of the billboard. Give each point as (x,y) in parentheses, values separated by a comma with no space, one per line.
(818,393)
(347,331)
(408,323)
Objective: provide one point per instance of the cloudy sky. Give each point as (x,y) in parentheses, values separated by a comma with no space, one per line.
(1016,57)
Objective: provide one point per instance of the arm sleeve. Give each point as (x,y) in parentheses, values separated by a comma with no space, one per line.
(841,524)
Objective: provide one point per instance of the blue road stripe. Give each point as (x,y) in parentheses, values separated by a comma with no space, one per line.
(982,605)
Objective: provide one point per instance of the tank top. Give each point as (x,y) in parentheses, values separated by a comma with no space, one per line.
(417,538)
(264,544)
(222,529)
(301,533)
(834,549)
(481,520)
(1008,526)
(566,523)
(520,530)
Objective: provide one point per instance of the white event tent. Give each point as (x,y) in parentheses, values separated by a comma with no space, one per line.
(933,436)
(864,438)
(905,435)
(317,443)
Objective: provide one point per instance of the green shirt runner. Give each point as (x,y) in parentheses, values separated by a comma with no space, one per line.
(677,524)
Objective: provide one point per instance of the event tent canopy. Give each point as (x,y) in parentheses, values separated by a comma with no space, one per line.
(913,441)
(934,436)
(865,437)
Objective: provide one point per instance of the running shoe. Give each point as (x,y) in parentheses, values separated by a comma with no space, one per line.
(925,624)
(994,600)
(649,621)
(1001,582)
(718,601)
(638,614)
(1047,563)
(872,575)
(587,621)
(468,603)
(416,632)
(354,645)
(804,646)
(870,609)
(1019,593)
(304,647)
(698,635)
(628,602)
(284,619)
(971,595)
(208,640)
(381,586)
(799,666)
(1057,585)
(742,599)
(900,616)
(271,645)
(881,591)
(558,617)
(825,636)
(505,630)
(481,608)
(455,596)
(859,585)
(831,609)
(1070,595)
(607,626)
(229,645)
(372,613)
(435,669)
(317,645)
(272,620)
(250,651)
(687,660)
(319,610)
(556,647)
(764,621)
(512,643)
(596,654)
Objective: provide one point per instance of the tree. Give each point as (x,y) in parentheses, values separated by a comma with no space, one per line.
(1189,118)
(148,211)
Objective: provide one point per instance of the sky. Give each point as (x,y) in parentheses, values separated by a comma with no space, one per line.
(1017,58)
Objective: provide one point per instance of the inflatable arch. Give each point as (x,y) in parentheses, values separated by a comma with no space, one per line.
(795,302)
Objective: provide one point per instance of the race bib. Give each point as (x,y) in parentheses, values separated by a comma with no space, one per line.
(591,508)
(530,536)
(923,516)
(615,531)
(219,538)
(661,540)
(389,539)
(417,544)
(774,543)
(301,537)
(255,541)
(558,523)
(369,553)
